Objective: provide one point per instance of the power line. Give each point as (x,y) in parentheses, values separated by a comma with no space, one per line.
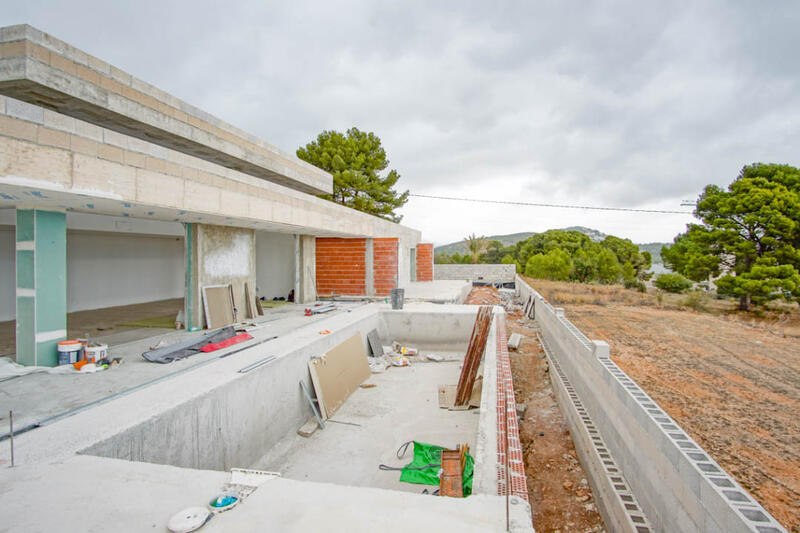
(562,206)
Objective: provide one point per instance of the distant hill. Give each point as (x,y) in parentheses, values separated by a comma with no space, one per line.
(513,238)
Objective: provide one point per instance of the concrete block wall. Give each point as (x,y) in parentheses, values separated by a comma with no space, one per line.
(341,266)
(49,158)
(476,272)
(425,261)
(385,265)
(678,485)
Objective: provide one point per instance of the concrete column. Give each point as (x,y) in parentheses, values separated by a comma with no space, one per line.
(41,285)
(369,270)
(308,269)
(192,301)
(297,267)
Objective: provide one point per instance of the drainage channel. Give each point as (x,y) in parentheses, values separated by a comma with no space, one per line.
(617,503)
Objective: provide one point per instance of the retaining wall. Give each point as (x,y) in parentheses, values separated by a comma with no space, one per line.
(477,272)
(678,485)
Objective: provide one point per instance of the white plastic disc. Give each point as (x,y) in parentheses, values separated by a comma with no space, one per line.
(188,520)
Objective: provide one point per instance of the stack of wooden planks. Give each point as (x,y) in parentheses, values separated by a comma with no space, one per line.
(472,360)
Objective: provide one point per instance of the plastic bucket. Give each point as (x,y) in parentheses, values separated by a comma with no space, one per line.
(95,353)
(397,298)
(69,352)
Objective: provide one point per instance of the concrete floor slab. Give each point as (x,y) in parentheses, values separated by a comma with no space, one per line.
(402,406)
(39,397)
(84,493)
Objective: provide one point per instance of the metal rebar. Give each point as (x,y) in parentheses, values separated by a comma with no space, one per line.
(11,434)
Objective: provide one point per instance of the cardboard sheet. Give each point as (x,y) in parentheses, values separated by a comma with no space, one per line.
(252,312)
(338,373)
(218,306)
(447,396)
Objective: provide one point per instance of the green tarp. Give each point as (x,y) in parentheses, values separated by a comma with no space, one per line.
(425,467)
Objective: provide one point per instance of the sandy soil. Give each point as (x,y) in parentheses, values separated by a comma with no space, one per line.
(558,489)
(731,380)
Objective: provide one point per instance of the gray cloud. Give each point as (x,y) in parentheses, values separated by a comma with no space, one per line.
(619,103)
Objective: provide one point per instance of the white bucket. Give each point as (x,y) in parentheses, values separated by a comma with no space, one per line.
(69,352)
(95,353)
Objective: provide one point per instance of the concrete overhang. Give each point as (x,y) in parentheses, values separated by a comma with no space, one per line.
(28,194)
(41,70)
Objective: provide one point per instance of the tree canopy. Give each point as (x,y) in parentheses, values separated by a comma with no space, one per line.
(749,235)
(356,160)
(565,255)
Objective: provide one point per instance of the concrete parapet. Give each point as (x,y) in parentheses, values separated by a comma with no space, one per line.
(678,485)
(478,272)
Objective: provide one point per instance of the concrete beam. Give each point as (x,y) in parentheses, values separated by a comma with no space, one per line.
(54,161)
(39,69)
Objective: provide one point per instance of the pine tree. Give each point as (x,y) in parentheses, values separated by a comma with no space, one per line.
(356,159)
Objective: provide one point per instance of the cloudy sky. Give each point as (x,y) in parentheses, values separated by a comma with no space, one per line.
(632,104)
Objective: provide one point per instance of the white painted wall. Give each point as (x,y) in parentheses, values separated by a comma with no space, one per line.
(8,287)
(274,264)
(108,269)
(105,269)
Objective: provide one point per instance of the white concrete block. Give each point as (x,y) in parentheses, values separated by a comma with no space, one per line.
(100,176)
(57,121)
(24,111)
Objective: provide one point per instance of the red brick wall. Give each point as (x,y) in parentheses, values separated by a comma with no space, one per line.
(507,418)
(384,259)
(341,266)
(425,261)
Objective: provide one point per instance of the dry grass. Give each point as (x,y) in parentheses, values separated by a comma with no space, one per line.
(778,317)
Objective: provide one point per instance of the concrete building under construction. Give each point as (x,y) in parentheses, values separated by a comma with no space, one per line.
(115,195)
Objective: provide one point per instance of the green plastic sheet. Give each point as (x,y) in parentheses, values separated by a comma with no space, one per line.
(425,467)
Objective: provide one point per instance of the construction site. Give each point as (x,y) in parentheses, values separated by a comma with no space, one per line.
(194,340)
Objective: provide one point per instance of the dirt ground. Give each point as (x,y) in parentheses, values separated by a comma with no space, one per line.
(558,489)
(732,380)
(99,322)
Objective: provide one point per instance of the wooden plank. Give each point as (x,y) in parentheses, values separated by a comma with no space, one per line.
(338,373)
(472,359)
(218,306)
(450,482)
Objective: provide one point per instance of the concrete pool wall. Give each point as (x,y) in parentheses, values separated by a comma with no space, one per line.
(235,422)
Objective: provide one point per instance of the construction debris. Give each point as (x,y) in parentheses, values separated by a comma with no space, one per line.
(187,347)
(320,308)
(375,346)
(514,341)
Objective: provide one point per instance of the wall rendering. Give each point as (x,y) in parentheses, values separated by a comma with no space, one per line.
(275,269)
(108,269)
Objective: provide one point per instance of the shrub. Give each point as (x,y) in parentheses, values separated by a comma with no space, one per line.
(672,283)
(635,284)
(695,300)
